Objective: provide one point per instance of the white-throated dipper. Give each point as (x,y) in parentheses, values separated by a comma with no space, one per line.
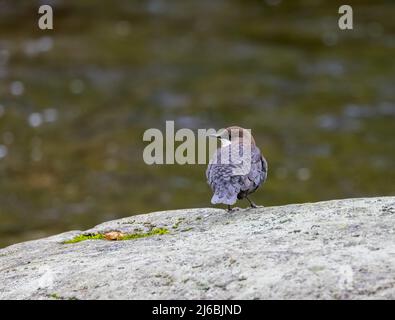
(237,168)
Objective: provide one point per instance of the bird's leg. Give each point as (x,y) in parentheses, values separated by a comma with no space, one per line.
(252,204)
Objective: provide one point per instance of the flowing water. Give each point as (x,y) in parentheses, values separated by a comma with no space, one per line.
(75,102)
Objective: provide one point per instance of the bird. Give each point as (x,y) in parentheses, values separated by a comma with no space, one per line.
(232,180)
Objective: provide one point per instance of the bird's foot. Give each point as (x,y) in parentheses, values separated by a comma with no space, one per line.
(230,209)
(255,206)
(252,203)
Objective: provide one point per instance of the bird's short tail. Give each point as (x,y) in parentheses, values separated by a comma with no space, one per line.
(224,199)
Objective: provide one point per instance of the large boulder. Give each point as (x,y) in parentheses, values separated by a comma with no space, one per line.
(341,249)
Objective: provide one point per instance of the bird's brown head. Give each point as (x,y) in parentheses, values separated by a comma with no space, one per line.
(238,134)
(235,134)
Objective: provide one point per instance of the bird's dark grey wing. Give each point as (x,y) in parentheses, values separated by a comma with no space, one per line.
(265,168)
(258,172)
(232,179)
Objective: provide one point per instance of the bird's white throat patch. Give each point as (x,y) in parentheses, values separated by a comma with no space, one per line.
(224,142)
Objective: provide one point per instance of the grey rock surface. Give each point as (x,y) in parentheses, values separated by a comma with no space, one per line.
(341,249)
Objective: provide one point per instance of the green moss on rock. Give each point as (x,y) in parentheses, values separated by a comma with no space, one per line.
(153,232)
(83,237)
(131,236)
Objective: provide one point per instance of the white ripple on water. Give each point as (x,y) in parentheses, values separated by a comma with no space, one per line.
(34,47)
(35,119)
(17,88)
(3,151)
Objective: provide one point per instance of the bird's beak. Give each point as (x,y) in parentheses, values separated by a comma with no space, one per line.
(217,135)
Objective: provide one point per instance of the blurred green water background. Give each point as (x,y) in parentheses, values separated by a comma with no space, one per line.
(75,101)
